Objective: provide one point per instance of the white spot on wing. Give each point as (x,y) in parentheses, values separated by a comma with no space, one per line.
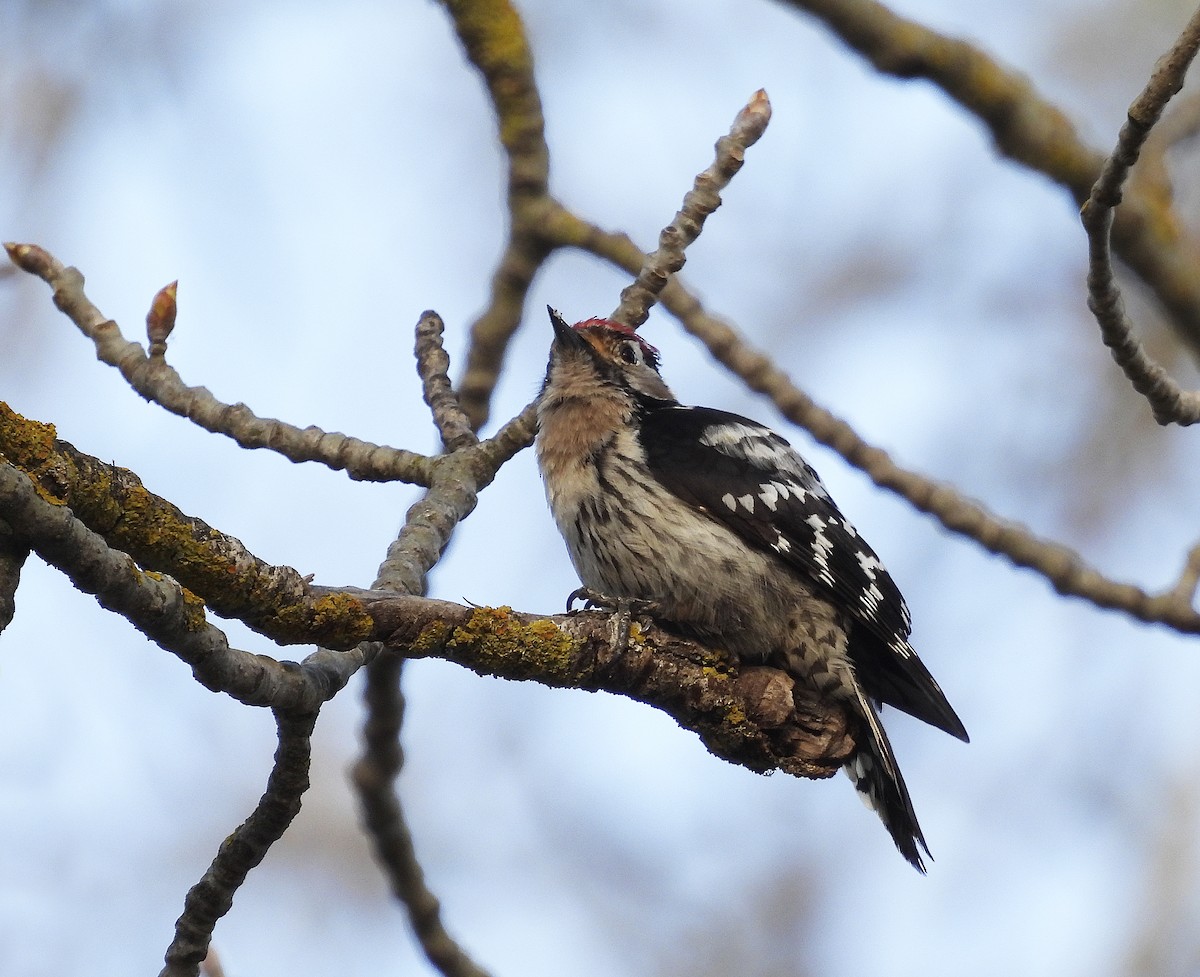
(769,495)
(766,450)
(730,501)
(822,548)
(869,562)
(748,502)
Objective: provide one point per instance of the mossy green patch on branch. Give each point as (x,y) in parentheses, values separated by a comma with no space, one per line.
(337,621)
(27,444)
(494,641)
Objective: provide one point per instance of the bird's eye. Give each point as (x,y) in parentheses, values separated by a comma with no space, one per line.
(629,353)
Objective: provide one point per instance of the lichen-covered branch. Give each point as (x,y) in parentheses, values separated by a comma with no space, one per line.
(754,717)
(698,204)
(1168,401)
(166,613)
(112,501)
(1030,130)
(153,379)
(494,40)
(211,898)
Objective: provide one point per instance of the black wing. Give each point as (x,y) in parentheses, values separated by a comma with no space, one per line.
(750,479)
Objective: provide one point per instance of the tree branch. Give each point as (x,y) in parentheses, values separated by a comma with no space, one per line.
(12,557)
(158,383)
(112,502)
(494,40)
(375,777)
(432,366)
(1169,402)
(1029,129)
(211,898)
(427,529)
(699,202)
(753,716)
(1065,570)
(167,614)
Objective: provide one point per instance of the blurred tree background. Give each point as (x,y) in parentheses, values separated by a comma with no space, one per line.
(316,175)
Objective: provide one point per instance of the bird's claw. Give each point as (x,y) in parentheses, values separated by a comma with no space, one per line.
(624,609)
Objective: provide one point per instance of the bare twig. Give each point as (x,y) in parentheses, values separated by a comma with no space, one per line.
(375,777)
(1062,567)
(157,382)
(494,328)
(432,366)
(1168,401)
(211,898)
(1184,590)
(427,529)
(516,435)
(698,204)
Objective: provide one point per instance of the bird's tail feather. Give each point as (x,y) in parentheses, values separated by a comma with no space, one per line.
(877,777)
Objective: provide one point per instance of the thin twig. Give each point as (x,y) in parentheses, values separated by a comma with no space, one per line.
(375,778)
(211,898)
(494,328)
(516,435)
(1062,567)
(432,367)
(1189,578)
(156,381)
(1170,403)
(698,204)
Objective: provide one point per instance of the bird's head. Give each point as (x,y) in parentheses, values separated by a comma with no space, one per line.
(607,352)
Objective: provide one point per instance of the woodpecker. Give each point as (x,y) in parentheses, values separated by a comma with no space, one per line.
(730,537)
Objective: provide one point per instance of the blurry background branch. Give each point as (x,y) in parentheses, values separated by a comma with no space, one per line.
(1030,130)
(1170,403)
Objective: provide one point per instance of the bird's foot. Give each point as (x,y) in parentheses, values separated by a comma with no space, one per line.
(624,609)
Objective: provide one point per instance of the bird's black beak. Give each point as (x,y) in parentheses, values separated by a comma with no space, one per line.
(564,334)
